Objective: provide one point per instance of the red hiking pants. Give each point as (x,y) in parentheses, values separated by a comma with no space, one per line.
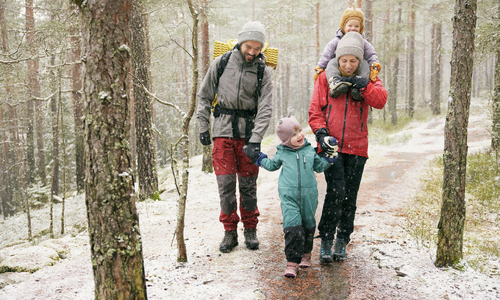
(229,160)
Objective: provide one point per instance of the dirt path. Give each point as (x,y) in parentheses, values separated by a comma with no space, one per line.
(390,178)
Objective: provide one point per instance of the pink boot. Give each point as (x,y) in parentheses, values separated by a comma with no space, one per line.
(291,269)
(306,260)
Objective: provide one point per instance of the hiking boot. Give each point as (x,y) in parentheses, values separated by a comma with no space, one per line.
(325,255)
(291,269)
(229,242)
(306,260)
(251,238)
(339,251)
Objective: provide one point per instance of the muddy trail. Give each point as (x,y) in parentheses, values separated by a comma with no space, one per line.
(390,179)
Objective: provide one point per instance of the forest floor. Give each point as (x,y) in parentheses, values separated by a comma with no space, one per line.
(383,261)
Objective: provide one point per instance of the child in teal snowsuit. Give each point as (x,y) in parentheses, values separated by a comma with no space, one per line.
(297,189)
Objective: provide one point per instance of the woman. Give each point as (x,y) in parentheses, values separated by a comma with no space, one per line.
(342,112)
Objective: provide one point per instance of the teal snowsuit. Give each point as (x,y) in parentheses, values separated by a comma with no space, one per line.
(299,195)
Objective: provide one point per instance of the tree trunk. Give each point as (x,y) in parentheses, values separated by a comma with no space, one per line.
(495,136)
(181,245)
(436,68)
(207,165)
(77,99)
(34,90)
(368,32)
(4,168)
(55,169)
(30,109)
(439,62)
(317,32)
(146,153)
(411,63)
(451,223)
(55,143)
(393,90)
(63,163)
(113,221)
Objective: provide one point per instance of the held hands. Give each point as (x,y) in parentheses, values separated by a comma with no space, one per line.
(328,159)
(259,158)
(328,144)
(252,150)
(205,138)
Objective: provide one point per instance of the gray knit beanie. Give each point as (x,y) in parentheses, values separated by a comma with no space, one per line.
(351,44)
(252,31)
(286,128)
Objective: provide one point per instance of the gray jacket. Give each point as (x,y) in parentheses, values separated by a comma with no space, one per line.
(237,90)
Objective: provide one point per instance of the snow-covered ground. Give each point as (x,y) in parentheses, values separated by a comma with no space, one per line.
(383,261)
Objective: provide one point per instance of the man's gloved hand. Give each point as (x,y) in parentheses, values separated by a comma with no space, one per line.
(358,81)
(317,71)
(375,68)
(252,150)
(322,139)
(338,86)
(205,138)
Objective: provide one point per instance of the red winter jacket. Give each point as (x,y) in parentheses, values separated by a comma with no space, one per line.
(345,118)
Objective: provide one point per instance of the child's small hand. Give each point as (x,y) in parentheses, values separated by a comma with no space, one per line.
(260,158)
(317,71)
(375,69)
(331,160)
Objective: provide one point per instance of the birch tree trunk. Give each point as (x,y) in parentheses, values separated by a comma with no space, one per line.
(113,221)
(451,223)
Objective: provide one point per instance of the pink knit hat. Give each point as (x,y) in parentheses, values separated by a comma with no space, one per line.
(286,128)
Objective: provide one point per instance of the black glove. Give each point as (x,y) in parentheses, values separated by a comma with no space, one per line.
(253,151)
(358,81)
(322,140)
(205,138)
(356,94)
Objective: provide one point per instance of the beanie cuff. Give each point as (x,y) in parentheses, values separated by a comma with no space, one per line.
(252,36)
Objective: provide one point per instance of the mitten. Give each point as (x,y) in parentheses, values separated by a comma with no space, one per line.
(358,81)
(332,144)
(331,161)
(338,86)
(322,140)
(375,69)
(317,71)
(252,150)
(260,158)
(205,138)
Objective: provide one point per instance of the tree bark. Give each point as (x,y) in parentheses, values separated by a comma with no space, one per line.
(55,128)
(393,90)
(77,101)
(207,165)
(181,245)
(451,223)
(411,63)
(317,31)
(146,153)
(115,239)
(34,90)
(30,108)
(495,136)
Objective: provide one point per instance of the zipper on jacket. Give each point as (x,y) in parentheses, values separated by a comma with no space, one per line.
(298,169)
(328,117)
(304,157)
(345,120)
(361,117)
(239,87)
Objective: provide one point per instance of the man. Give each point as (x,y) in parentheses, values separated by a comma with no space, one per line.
(242,115)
